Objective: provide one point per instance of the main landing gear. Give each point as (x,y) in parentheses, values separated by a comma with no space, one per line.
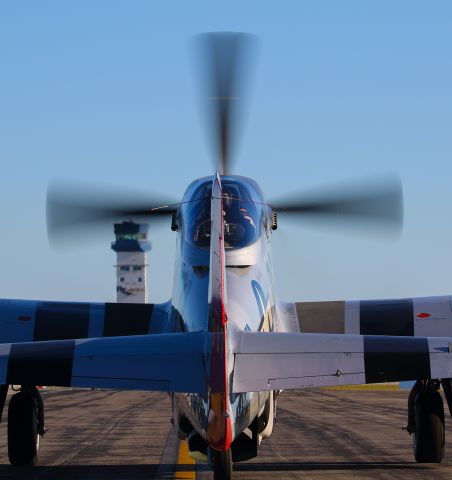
(222,464)
(426,421)
(25,424)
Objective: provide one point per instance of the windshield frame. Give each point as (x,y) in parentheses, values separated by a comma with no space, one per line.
(243,210)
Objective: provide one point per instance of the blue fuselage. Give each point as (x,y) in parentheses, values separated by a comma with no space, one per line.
(248,293)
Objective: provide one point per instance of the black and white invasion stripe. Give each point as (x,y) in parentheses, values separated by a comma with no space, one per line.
(407,317)
(26,320)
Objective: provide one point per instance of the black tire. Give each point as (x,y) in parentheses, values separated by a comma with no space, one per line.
(23,438)
(222,464)
(429,434)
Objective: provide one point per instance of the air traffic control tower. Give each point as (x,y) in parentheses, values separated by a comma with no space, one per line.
(131,246)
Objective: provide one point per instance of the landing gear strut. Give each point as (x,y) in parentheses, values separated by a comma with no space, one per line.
(426,421)
(25,426)
(222,464)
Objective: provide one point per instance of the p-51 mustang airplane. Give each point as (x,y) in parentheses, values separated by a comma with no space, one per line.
(223,347)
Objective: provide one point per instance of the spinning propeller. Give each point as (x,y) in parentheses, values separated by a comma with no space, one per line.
(72,207)
(225,60)
(371,203)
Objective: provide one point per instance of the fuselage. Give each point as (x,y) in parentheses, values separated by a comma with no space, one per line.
(245,293)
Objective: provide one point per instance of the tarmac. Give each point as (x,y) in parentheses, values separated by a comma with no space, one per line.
(320,434)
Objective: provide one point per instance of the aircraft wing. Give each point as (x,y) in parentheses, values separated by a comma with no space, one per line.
(164,362)
(31,320)
(420,316)
(281,361)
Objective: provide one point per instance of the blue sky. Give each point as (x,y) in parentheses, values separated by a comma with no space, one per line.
(104,92)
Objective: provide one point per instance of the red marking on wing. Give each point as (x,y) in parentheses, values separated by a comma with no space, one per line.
(423,315)
(24,318)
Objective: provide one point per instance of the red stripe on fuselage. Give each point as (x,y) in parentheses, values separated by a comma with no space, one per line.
(219,429)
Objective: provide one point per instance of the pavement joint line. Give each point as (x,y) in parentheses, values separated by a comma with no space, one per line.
(169,456)
(175,462)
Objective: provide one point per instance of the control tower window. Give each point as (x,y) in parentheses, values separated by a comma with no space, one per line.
(131,236)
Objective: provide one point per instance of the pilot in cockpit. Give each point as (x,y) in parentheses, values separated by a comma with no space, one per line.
(241,217)
(238,223)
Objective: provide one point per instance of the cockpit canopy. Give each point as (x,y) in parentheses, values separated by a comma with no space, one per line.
(242,210)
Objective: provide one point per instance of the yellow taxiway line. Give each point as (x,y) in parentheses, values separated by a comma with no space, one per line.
(183,458)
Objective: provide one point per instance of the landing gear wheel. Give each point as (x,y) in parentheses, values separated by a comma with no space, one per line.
(23,428)
(222,464)
(428,438)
